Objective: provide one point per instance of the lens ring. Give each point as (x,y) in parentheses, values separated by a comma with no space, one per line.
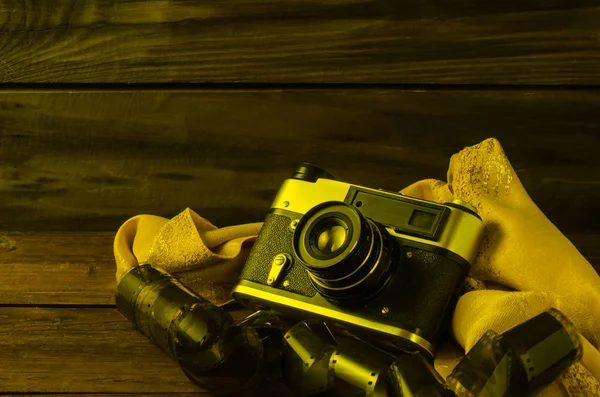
(329,237)
(364,262)
(323,214)
(359,267)
(370,278)
(377,263)
(320,225)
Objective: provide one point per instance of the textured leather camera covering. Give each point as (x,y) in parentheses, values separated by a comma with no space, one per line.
(276,238)
(419,297)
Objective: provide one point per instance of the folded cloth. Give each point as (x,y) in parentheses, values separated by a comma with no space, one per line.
(205,258)
(524,267)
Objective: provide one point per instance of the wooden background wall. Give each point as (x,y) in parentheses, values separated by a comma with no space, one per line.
(112,108)
(81,159)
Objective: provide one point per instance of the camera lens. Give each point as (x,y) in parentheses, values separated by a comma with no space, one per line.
(346,255)
(331,238)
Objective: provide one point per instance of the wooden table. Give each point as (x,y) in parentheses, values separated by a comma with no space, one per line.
(60,331)
(109,109)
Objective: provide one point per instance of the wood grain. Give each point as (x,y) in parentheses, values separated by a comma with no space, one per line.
(65,268)
(132,394)
(66,350)
(89,160)
(57,269)
(75,269)
(293,41)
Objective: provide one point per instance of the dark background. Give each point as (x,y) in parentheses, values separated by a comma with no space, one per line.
(113,108)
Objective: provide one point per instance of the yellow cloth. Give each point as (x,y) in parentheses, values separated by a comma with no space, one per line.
(189,247)
(524,267)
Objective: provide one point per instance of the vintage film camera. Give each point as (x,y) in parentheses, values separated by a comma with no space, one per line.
(376,262)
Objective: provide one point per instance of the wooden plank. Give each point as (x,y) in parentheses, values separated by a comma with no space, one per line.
(88,160)
(255,393)
(348,41)
(133,394)
(72,268)
(57,268)
(66,350)
(81,350)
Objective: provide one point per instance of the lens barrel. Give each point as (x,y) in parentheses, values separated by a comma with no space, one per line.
(359,263)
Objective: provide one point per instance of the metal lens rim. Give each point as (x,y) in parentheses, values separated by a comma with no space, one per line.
(374,267)
(320,225)
(317,261)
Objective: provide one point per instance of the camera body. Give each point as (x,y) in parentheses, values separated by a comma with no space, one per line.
(375,262)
